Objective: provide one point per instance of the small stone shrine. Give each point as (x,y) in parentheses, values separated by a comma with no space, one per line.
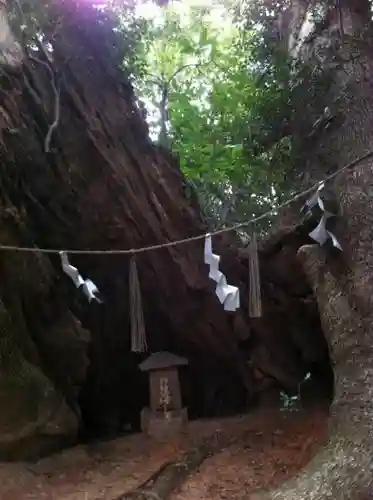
(166,417)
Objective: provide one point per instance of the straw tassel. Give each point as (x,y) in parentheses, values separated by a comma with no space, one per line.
(255,303)
(138,334)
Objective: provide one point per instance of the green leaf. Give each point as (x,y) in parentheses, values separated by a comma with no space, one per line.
(222,111)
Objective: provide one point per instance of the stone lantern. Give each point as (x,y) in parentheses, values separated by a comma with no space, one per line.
(165,417)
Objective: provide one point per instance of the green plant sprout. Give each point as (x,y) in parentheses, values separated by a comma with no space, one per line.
(293,403)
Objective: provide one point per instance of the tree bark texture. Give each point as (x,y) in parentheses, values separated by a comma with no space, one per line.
(342,283)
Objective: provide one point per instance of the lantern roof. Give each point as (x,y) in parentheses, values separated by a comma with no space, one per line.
(161,360)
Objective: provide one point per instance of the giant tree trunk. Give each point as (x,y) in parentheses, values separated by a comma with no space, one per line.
(343,284)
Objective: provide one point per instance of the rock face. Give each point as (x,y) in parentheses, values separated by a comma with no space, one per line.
(43,357)
(101,184)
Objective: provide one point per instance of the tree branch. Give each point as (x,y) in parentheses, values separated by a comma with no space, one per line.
(56,92)
(54,83)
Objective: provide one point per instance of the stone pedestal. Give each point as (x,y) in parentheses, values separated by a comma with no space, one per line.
(159,426)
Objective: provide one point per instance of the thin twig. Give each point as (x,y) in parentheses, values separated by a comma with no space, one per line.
(56,92)
(57,95)
(55,86)
(48,137)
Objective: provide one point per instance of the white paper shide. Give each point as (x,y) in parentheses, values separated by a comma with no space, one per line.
(321,234)
(90,290)
(228,295)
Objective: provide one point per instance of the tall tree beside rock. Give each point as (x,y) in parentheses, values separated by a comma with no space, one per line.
(335,41)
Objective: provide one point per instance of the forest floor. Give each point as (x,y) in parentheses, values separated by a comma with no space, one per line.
(271,446)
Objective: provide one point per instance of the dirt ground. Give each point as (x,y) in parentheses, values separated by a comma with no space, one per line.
(272,446)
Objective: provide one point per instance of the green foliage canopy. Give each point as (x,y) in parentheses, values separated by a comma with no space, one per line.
(218,106)
(212,95)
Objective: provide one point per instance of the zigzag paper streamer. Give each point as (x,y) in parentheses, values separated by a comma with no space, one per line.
(90,290)
(321,234)
(228,295)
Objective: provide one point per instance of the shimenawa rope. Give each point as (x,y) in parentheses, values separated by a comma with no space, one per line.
(192,238)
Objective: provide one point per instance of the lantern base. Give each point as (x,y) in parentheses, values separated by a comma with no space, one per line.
(162,426)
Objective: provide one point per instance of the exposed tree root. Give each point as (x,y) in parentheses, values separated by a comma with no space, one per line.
(173,474)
